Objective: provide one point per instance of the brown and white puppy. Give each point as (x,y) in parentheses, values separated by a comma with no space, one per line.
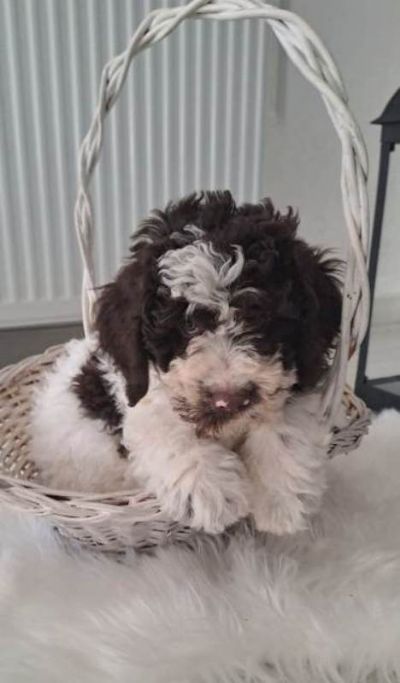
(217,334)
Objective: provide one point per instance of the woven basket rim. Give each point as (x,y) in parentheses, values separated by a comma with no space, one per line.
(68,494)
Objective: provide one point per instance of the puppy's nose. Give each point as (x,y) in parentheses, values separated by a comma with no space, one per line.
(225,401)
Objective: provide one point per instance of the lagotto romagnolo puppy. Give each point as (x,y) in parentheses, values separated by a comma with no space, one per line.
(211,345)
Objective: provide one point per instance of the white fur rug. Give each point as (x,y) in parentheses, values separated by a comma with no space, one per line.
(306,610)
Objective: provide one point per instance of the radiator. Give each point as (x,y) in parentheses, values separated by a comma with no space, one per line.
(192,116)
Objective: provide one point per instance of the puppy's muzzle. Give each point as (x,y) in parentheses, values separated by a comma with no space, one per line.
(227,403)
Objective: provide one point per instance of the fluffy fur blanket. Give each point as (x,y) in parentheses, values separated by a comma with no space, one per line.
(319,607)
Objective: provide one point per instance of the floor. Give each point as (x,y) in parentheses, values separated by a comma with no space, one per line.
(384,351)
(19,343)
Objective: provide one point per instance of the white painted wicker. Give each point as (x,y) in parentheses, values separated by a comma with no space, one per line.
(116,521)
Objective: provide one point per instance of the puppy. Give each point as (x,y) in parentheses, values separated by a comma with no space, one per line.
(211,346)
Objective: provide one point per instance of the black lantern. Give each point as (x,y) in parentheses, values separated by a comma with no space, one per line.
(380,392)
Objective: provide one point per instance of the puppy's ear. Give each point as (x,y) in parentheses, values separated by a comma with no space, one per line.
(320,300)
(119,324)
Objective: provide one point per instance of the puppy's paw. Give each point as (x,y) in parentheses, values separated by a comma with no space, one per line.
(212,494)
(279,515)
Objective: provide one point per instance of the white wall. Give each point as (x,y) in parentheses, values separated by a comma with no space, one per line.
(303,153)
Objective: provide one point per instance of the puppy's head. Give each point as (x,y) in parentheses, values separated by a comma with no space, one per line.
(228,304)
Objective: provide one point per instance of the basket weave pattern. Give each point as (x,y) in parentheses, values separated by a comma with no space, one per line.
(115,521)
(109,521)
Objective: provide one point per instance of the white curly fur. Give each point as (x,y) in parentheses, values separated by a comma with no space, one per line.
(197,481)
(201,275)
(275,471)
(73,451)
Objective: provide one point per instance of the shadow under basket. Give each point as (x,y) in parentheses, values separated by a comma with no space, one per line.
(108,522)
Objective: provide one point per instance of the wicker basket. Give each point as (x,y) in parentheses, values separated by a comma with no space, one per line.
(118,520)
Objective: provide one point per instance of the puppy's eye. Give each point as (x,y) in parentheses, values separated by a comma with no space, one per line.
(162,292)
(202,319)
(262,250)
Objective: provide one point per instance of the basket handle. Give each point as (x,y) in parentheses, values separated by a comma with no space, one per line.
(307,52)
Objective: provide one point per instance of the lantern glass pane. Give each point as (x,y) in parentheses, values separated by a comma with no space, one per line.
(383,360)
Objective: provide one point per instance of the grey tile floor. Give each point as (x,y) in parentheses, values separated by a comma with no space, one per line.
(384,351)
(18,343)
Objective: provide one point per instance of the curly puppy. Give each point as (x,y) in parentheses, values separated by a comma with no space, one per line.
(212,343)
